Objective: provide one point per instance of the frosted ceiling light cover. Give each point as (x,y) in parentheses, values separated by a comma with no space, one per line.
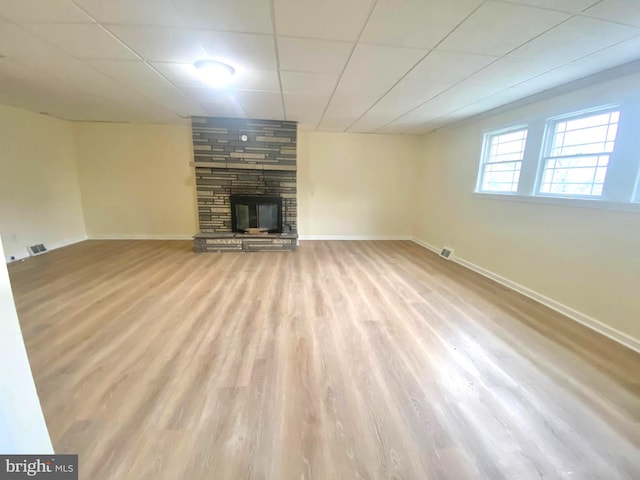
(216,74)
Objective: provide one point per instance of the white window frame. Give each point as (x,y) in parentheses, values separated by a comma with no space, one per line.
(547,145)
(486,150)
(621,191)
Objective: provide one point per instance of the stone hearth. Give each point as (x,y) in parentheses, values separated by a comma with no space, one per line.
(243,242)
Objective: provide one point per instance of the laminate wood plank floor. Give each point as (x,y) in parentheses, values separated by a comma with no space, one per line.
(344,360)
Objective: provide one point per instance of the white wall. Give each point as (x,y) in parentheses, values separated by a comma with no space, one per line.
(136,180)
(356,185)
(22,426)
(39,191)
(584,258)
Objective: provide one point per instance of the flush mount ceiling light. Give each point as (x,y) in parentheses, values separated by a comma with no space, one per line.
(216,74)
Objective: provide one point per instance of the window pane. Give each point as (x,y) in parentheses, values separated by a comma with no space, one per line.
(577,159)
(501,165)
(575,176)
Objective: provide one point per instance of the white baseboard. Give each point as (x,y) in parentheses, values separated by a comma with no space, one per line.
(142,236)
(596,325)
(426,245)
(355,237)
(51,246)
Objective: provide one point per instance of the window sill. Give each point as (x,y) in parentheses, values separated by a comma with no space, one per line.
(559,201)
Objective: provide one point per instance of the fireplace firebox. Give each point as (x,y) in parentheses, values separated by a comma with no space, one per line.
(256,211)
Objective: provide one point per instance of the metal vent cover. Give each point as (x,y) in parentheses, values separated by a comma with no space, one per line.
(36,249)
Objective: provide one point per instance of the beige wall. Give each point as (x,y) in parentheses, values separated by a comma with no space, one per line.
(39,192)
(136,180)
(355,184)
(584,258)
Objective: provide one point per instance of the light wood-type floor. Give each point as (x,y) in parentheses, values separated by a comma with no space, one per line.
(345,360)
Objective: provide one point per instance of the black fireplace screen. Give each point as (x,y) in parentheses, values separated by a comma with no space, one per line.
(256,211)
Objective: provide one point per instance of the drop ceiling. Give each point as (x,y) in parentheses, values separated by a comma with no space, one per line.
(392,66)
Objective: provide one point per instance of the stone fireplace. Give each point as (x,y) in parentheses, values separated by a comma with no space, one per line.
(252,164)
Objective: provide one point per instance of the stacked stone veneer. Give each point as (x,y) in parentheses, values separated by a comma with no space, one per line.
(225,165)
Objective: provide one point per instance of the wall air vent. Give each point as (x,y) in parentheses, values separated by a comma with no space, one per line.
(446,253)
(36,249)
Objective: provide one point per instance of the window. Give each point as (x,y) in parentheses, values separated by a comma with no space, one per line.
(502,160)
(586,158)
(577,154)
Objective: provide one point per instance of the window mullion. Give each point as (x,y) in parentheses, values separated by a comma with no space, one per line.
(529,169)
(623,164)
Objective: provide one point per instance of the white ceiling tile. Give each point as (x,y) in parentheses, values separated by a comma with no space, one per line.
(372,71)
(453,99)
(58,99)
(186,75)
(497,28)
(252,16)
(509,71)
(572,6)
(180,74)
(343,110)
(471,110)
(23,11)
(430,127)
(442,66)
(160,44)
(613,56)
(266,80)
(319,84)
(623,11)
(262,105)
(304,108)
(19,43)
(328,19)
(142,109)
(78,76)
(173,100)
(12,68)
(227,110)
(372,121)
(573,39)
(254,104)
(408,95)
(400,127)
(210,95)
(241,50)
(129,72)
(420,115)
(138,12)
(504,97)
(82,40)
(554,78)
(316,56)
(382,67)
(415,23)
(336,123)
